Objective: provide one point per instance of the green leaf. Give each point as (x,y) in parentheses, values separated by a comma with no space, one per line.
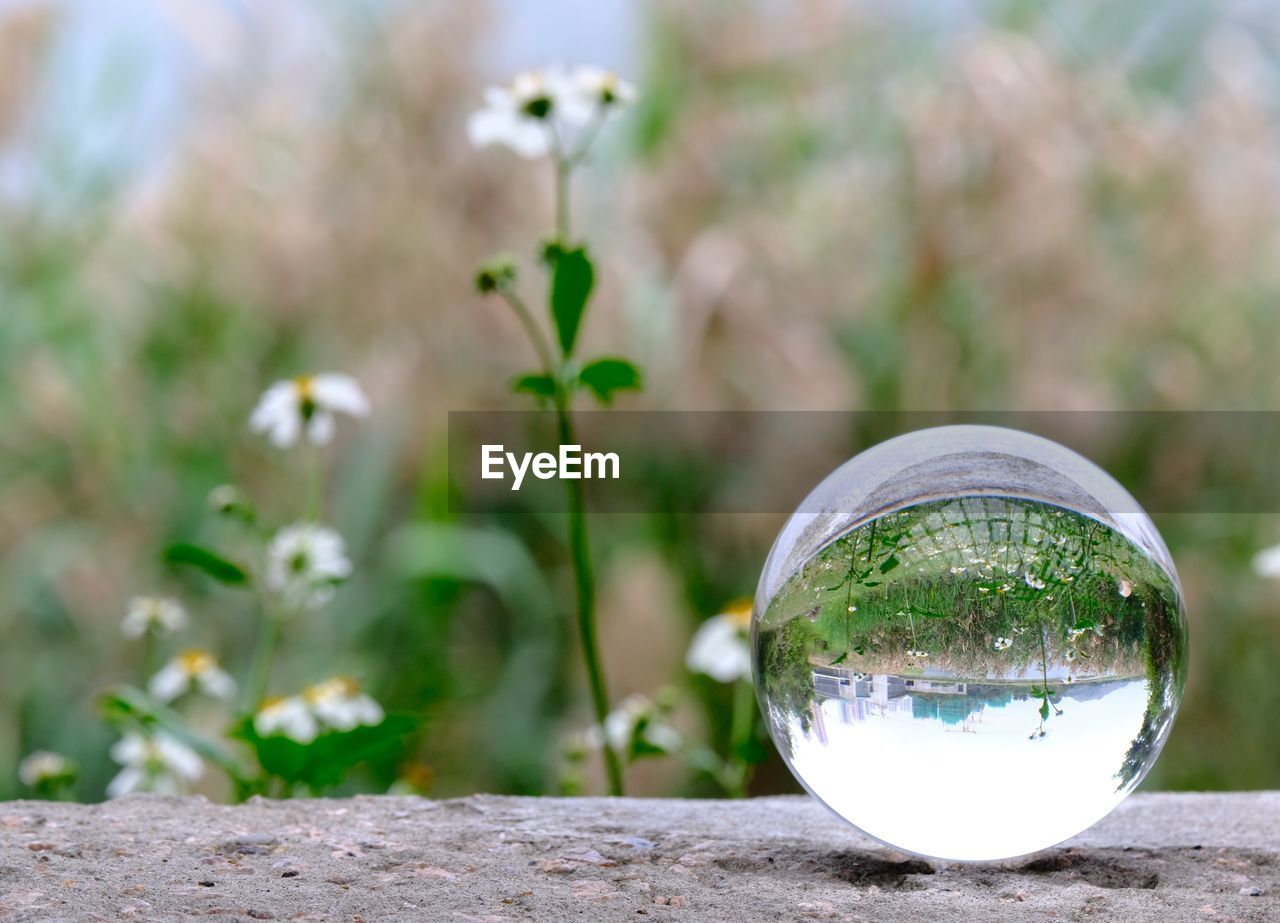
(888,564)
(537,385)
(212,563)
(572,278)
(1044,710)
(839,660)
(326,761)
(605,376)
(927,613)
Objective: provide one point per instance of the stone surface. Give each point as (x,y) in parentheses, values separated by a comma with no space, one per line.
(1158,857)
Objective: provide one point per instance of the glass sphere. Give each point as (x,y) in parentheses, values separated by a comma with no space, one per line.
(969,642)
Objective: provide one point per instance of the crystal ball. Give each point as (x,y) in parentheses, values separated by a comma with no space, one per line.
(969,642)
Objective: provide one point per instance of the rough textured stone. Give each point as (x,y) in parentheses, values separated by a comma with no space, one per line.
(1158,857)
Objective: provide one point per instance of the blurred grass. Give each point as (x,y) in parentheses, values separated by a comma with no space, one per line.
(816,205)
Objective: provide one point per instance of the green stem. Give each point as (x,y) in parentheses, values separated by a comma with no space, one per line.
(741,727)
(564,171)
(150,655)
(535,333)
(314,508)
(268,639)
(584,582)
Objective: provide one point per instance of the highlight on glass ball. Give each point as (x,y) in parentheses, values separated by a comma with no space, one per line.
(969,643)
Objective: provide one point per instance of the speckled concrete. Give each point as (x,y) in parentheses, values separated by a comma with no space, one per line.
(1159,857)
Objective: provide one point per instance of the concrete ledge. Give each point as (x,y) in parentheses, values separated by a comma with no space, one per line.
(1159,857)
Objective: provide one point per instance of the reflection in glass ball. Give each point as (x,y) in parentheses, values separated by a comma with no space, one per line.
(969,642)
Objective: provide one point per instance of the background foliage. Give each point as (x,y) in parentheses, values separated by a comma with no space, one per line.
(815,205)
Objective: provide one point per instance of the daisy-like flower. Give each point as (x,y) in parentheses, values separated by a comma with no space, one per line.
(542,110)
(602,88)
(333,705)
(304,561)
(1001,644)
(153,613)
(719,647)
(157,763)
(305,406)
(192,668)
(44,768)
(1266,563)
(917,655)
(339,704)
(635,713)
(1033,581)
(287,717)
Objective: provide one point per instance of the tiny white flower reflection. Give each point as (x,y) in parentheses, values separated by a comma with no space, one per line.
(194,668)
(305,406)
(1001,644)
(720,648)
(45,766)
(542,111)
(157,763)
(336,704)
(304,561)
(153,613)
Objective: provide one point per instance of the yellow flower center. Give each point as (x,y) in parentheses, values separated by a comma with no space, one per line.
(739,612)
(306,396)
(339,687)
(193,663)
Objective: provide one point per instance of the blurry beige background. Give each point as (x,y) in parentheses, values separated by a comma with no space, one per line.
(814,205)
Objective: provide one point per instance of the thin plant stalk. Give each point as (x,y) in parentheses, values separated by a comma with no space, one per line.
(260,675)
(741,727)
(579,545)
(314,508)
(584,583)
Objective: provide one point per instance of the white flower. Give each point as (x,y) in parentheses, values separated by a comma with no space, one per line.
(602,88)
(305,405)
(1266,563)
(719,647)
(542,109)
(1033,581)
(334,705)
(303,563)
(339,704)
(195,667)
(621,723)
(45,766)
(1125,588)
(289,717)
(157,613)
(158,763)
(1002,643)
(917,655)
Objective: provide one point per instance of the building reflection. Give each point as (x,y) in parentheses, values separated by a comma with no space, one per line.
(861,696)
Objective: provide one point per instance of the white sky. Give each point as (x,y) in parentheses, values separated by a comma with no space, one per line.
(927,786)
